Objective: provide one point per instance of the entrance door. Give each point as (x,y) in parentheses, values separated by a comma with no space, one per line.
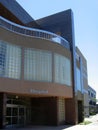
(80,112)
(21,115)
(15,115)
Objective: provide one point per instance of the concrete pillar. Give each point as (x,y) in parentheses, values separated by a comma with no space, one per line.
(71,111)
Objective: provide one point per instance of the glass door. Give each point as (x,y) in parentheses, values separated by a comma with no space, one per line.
(21,116)
(15,116)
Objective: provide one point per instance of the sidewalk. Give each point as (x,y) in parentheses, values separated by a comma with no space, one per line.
(93,119)
(76,127)
(82,127)
(91,126)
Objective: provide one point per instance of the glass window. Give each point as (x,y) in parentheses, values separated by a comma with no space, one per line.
(8,111)
(38,65)
(78,79)
(62,67)
(2,58)
(10,60)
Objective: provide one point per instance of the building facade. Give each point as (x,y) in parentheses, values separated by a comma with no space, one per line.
(82,81)
(42,82)
(92,100)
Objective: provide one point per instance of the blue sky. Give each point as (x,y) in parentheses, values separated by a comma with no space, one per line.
(85,25)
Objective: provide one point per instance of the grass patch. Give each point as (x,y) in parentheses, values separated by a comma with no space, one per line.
(85,122)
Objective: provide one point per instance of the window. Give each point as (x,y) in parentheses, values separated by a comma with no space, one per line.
(2,58)
(62,67)
(10,60)
(37,65)
(78,79)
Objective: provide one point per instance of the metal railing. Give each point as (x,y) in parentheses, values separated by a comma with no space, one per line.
(33,32)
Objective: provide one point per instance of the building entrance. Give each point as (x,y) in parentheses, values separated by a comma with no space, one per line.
(80,111)
(15,115)
(24,111)
(17,112)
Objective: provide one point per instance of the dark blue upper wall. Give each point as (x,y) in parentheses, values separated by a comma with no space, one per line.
(13,7)
(59,23)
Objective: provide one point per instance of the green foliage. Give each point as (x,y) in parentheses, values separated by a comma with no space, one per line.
(92,113)
(85,122)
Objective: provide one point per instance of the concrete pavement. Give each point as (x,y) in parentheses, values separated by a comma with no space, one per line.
(76,127)
(82,127)
(93,119)
(91,126)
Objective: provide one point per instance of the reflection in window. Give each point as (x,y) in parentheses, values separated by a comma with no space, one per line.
(38,65)
(62,69)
